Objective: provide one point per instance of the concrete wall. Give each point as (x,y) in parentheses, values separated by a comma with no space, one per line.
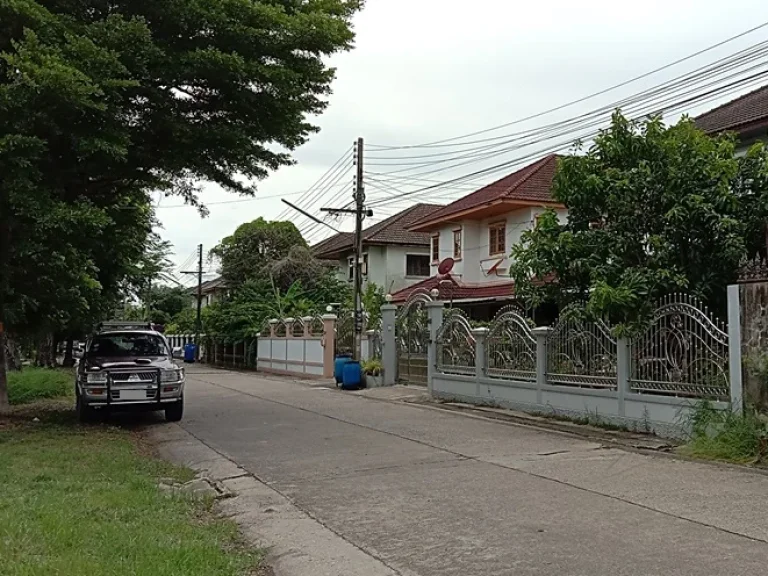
(300,356)
(665,416)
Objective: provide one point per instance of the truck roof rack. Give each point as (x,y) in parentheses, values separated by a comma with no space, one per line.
(117,325)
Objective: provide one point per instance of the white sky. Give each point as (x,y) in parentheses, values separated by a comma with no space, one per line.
(423,70)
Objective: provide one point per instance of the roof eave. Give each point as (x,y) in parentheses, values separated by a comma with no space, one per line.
(467,213)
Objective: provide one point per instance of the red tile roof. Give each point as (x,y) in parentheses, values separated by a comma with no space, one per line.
(530,184)
(393,230)
(740,115)
(458,290)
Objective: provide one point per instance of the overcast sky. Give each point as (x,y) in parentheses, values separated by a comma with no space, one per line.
(424,70)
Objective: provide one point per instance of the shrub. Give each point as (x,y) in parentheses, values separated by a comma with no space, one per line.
(373,367)
(725,435)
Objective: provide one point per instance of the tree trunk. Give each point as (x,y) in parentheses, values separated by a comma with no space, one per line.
(69,357)
(5,251)
(44,355)
(12,354)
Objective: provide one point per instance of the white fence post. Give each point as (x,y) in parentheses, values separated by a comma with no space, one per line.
(389,344)
(435,319)
(622,373)
(734,349)
(541,334)
(481,343)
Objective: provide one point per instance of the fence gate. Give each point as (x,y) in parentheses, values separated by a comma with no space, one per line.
(345,332)
(412,337)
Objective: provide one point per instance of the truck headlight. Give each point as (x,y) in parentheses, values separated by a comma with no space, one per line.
(175,375)
(96,378)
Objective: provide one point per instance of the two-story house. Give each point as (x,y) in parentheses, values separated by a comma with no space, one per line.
(746,116)
(212,291)
(477,232)
(394,256)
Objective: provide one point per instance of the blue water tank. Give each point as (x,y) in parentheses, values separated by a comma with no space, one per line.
(338,366)
(353,376)
(190,353)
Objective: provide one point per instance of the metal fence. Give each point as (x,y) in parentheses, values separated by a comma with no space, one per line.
(581,352)
(683,353)
(511,347)
(455,344)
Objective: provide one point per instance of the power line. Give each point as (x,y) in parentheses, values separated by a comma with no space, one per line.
(595,118)
(585,98)
(322,180)
(568,143)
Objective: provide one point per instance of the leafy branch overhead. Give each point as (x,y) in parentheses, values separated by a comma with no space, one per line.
(104,103)
(652,209)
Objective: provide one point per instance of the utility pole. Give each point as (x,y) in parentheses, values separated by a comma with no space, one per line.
(148,303)
(199,319)
(357,270)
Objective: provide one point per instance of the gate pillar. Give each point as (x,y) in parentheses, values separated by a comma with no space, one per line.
(389,344)
(435,321)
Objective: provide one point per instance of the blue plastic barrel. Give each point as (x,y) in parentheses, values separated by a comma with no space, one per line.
(353,376)
(190,353)
(338,366)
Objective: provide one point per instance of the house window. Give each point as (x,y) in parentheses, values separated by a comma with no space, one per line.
(364,270)
(497,238)
(417,266)
(457,244)
(435,248)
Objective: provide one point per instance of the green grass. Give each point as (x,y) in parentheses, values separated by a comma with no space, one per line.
(33,384)
(726,436)
(85,502)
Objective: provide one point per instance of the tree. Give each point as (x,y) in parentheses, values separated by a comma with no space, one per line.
(253,247)
(102,103)
(652,209)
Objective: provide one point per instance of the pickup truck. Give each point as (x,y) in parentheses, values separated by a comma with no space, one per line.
(129,368)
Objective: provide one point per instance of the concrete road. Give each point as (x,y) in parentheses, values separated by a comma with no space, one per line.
(426,492)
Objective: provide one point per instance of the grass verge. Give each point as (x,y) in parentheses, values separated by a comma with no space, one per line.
(727,436)
(85,502)
(33,384)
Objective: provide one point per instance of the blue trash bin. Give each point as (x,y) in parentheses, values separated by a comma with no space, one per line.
(353,376)
(338,367)
(190,353)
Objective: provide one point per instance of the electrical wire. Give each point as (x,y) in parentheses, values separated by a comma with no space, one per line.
(651,101)
(563,145)
(585,98)
(321,181)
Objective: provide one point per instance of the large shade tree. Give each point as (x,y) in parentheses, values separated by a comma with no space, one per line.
(652,209)
(253,247)
(102,103)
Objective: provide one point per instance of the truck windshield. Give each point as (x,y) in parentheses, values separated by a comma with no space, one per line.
(118,345)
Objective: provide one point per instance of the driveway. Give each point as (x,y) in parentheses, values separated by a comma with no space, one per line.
(427,492)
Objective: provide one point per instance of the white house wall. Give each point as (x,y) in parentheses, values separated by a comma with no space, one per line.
(386,266)
(475,247)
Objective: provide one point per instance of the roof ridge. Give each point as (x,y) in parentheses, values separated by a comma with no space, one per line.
(732,101)
(388,222)
(538,166)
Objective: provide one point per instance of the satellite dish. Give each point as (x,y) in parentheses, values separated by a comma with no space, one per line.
(446,266)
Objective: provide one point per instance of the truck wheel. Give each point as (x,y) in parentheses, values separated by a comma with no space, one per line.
(84,413)
(175,412)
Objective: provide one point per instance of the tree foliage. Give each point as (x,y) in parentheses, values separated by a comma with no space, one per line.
(244,314)
(651,209)
(102,103)
(256,245)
